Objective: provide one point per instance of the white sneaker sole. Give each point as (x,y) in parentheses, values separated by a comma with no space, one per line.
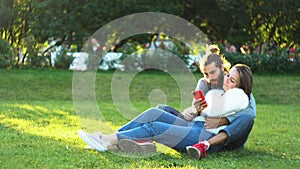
(193,152)
(87,138)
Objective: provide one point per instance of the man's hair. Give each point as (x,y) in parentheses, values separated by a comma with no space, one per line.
(246,78)
(212,49)
(219,60)
(213,55)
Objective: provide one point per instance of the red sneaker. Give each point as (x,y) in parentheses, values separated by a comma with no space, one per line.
(143,141)
(198,150)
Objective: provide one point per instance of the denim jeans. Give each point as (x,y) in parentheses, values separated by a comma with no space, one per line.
(171,110)
(165,128)
(175,132)
(237,132)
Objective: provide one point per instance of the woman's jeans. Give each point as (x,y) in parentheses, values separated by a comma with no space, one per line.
(175,132)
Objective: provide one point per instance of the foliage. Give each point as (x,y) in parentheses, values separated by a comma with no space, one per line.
(15,23)
(39,128)
(272,20)
(131,55)
(275,61)
(6,59)
(63,60)
(245,21)
(140,56)
(238,22)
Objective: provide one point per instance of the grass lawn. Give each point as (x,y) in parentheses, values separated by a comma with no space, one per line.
(39,124)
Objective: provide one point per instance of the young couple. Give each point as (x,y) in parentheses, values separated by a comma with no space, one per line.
(189,133)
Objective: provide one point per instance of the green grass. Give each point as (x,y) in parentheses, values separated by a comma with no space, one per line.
(38,123)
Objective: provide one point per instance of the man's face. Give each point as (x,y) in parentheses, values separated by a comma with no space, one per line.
(213,75)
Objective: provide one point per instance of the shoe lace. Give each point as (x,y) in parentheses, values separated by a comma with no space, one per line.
(202,148)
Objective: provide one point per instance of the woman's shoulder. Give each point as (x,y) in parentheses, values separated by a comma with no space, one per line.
(238,96)
(213,94)
(236,92)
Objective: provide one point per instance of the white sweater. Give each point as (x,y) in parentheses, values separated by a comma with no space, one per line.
(220,104)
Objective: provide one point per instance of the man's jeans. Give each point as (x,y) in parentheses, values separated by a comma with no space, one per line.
(175,132)
(237,131)
(165,128)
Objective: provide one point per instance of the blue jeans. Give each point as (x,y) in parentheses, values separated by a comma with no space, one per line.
(165,128)
(175,132)
(237,131)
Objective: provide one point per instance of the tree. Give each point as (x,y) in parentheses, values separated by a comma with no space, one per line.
(245,21)
(15,27)
(29,24)
(53,20)
(275,20)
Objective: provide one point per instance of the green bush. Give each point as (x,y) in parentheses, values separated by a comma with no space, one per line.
(62,60)
(34,59)
(135,56)
(276,61)
(6,59)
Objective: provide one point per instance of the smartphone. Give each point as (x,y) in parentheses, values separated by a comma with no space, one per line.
(198,94)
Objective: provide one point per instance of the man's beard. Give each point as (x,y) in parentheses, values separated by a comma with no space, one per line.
(220,80)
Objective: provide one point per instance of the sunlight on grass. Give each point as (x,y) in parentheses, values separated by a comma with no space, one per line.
(92,125)
(113,126)
(40,121)
(27,107)
(169,151)
(39,128)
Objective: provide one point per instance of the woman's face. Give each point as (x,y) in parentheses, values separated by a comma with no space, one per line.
(231,80)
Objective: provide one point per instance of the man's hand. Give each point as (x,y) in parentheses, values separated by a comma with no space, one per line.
(200,104)
(214,122)
(189,113)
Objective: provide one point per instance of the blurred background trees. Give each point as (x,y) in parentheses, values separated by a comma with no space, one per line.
(28,26)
